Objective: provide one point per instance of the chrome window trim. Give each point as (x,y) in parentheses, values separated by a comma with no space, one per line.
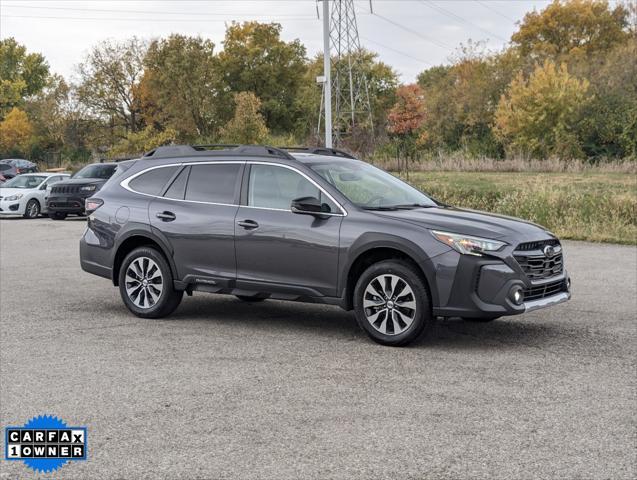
(125,184)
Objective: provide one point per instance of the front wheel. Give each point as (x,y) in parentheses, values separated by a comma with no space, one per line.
(32,209)
(392,303)
(146,284)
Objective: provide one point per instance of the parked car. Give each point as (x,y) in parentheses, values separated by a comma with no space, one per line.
(68,197)
(25,194)
(10,167)
(314,226)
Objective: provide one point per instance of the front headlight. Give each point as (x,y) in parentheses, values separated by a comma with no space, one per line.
(467,244)
(88,188)
(17,196)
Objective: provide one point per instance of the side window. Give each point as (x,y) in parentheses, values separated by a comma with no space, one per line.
(177,189)
(153,181)
(213,183)
(275,187)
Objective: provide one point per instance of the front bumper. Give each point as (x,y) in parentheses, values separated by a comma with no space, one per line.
(474,287)
(66,204)
(12,208)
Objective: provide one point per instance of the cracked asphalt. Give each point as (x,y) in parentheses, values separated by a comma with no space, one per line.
(224,389)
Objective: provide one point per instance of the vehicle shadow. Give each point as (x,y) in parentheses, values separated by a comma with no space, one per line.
(277,316)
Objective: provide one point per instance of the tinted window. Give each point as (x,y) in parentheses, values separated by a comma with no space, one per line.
(153,181)
(276,187)
(178,187)
(4,166)
(213,183)
(96,171)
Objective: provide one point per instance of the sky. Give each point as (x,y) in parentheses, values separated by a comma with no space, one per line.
(409,35)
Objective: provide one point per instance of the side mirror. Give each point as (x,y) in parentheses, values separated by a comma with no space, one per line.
(43,187)
(307,206)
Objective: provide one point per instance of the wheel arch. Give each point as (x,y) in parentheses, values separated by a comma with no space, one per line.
(380,250)
(135,240)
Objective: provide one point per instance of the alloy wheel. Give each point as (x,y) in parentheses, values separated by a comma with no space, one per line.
(144,282)
(389,304)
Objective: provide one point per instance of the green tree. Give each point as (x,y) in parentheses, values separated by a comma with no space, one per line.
(571,29)
(22,74)
(181,86)
(143,141)
(255,59)
(15,131)
(247,125)
(540,116)
(109,79)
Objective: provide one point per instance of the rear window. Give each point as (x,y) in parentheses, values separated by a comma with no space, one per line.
(153,181)
(4,166)
(213,183)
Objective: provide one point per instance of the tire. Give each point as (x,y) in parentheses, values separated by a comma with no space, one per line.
(479,319)
(245,298)
(57,215)
(410,310)
(155,297)
(32,210)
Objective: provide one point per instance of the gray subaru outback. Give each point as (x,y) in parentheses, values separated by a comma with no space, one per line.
(311,225)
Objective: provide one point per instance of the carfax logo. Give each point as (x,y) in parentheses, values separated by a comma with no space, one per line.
(45,443)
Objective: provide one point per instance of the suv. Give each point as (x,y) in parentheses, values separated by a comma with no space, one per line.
(68,197)
(313,225)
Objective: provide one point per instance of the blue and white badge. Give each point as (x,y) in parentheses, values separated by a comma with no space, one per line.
(45,443)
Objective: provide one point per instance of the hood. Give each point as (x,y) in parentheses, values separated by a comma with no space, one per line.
(472,222)
(7,192)
(80,181)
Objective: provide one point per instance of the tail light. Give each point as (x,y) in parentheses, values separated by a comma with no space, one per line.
(18,171)
(92,204)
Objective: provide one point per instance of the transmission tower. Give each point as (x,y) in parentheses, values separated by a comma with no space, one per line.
(351,107)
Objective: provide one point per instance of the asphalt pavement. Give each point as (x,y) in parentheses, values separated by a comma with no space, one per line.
(281,390)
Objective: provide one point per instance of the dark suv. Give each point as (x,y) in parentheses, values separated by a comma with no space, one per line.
(67,197)
(313,225)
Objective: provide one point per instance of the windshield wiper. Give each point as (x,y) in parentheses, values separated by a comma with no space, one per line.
(407,206)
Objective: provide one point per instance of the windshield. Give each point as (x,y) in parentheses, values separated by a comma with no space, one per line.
(96,171)
(370,187)
(24,181)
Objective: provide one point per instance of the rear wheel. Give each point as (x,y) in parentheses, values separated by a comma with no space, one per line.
(392,303)
(32,209)
(146,284)
(57,215)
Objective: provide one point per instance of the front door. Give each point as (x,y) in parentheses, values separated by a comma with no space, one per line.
(283,252)
(196,216)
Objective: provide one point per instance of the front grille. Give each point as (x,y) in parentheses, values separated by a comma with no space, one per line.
(525,247)
(538,267)
(65,189)
(546,290)
(535,262)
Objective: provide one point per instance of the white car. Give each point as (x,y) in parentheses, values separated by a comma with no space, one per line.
(26,194)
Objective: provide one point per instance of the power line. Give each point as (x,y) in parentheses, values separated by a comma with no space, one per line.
(452,15)
(151,12)
(173,20)
(489,7)
(387,47)
(415,32)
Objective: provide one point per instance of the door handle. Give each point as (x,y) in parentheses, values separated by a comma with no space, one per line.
(166,216)
(248,224)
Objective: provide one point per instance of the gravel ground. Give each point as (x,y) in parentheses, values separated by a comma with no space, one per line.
(225,389)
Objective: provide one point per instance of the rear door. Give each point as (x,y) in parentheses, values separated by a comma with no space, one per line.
(195,214)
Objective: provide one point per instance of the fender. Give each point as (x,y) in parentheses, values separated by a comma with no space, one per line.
(370,241)
(141,230)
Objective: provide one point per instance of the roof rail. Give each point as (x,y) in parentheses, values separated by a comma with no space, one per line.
(331,152)
(189,150)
